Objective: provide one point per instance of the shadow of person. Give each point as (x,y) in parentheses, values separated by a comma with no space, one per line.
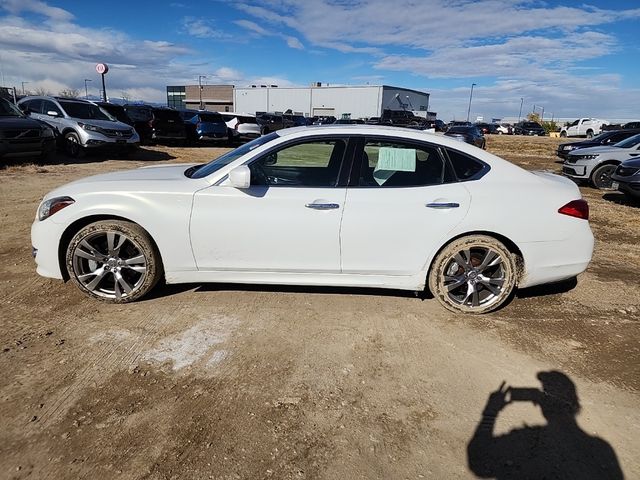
(558,450)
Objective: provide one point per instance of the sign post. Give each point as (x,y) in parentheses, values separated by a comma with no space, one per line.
(102,69)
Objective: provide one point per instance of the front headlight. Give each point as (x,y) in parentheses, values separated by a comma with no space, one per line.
(53,205)
(568,147)
(89,127)
(588,157)
(47,133)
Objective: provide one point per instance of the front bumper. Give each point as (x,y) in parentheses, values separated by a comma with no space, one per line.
(628,185)
(93,140)
(45,238)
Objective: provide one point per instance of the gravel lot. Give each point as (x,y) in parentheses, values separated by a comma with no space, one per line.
(229,381)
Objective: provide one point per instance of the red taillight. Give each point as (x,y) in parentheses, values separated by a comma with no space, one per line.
(576,208)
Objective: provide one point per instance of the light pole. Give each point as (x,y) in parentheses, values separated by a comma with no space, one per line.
(23,84)
(520,113)
(86,91)
(200,77)
(470,97)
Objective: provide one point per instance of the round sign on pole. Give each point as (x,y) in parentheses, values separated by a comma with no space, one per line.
(102,68)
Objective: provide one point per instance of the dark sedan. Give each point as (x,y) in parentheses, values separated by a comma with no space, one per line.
(626,178)
(528,128)
(468,134)
(21,136)
(488,128)
(610,137)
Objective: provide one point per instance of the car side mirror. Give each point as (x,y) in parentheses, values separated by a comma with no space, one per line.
(52,113)
(240,177)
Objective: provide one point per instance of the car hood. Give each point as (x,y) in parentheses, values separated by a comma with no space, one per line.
(108,124)
(156,178)
(595,150)
(20,122)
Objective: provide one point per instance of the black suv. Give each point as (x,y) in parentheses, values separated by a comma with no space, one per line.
(270,122)
(157,124)
(528,128)
(21,136)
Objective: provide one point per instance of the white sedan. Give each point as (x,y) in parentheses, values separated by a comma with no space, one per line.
(351,205)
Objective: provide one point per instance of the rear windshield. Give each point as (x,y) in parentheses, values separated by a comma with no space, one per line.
(459,130)
(139,114)
(116,111)
(165,114)
(211,117)
(85,111)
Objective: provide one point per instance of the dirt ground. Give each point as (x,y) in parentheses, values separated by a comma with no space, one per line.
(231,381)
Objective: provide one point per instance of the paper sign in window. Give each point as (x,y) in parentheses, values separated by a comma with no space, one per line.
(392,160)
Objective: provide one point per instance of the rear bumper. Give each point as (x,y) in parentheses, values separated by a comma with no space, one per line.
(548,262)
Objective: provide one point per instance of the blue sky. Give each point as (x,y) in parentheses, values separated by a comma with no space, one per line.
(572,58)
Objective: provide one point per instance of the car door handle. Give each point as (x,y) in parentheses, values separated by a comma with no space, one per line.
(443,205)
(322,206)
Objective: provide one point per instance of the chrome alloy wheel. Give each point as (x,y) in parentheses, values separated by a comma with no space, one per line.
(109,264)
(474,277)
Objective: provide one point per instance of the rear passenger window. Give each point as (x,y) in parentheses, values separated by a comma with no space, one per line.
(464,166)
(395,164)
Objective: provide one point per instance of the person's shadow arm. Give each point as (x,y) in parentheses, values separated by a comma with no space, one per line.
(483,452)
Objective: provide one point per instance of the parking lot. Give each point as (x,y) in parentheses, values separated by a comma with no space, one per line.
(232,381)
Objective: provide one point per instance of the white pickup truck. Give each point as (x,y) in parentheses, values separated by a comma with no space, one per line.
(583,127)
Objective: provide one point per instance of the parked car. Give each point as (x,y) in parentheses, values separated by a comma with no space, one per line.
(205,126)
(402,118)
(80,124)
(458,123)
(605,138)
(141,116)
(583,127)
(469,134)
(21,136)
(323,120)
(241,126)
(626,178)
(165,124)
(488,128)
(116,111)
(115,236)
(627,126)
(505,129)
(271,122)
(528,128)
(597,164)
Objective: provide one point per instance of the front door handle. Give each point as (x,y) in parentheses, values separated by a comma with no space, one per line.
(322,206)
(443,205)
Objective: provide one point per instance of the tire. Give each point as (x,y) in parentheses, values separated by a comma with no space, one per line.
(601,176)
(563,134)
(114,261)
(73,146)
(589,133)
(461,282)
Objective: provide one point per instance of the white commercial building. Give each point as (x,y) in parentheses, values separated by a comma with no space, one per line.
(355,101)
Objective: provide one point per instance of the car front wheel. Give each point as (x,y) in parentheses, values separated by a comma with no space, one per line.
(73,146)
(474,274)
(114,261)
(601,176)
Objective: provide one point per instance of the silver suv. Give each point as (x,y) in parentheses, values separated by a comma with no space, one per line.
(82,125)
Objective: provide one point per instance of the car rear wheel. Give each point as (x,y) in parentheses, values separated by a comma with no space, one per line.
(563,134)
(589,133)
(114,261)
(601,176)
(474,274)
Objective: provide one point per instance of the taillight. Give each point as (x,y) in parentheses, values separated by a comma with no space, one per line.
(576,208)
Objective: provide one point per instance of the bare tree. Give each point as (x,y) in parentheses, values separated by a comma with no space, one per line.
(70,93)
(43,92)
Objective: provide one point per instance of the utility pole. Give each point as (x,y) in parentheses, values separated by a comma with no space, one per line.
(520,114)
(470,97)
(200,77)
(542,116)
(23,84)
(86,91)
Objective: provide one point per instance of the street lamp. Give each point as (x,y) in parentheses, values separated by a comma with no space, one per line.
(200,77)
(86,91)
(520,114)
(470,97)
(23,84)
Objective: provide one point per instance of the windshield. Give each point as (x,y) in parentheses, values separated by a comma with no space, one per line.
(227,158)
(8,109)
(211,117)
(629,142)
(139,114)
(85,111)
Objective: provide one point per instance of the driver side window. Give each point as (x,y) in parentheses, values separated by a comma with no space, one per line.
(310,164)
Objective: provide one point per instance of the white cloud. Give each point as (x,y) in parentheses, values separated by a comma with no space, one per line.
(16,7)
(201,28)
(293,42)
(260,31)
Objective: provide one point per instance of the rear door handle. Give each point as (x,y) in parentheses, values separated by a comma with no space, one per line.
(443,205)
(322,206)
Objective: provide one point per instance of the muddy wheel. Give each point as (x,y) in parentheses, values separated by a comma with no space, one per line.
(474,274)
(601,176)
(114,261)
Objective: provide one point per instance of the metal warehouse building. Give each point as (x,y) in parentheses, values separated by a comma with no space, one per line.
(357,101)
